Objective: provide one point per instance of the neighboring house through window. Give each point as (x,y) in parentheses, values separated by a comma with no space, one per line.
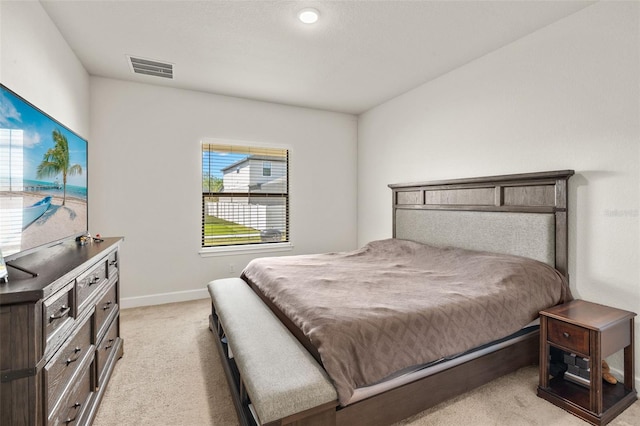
(245,195)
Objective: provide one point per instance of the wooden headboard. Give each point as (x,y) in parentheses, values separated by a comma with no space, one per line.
(522,214)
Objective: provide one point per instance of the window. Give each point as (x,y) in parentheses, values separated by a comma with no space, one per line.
(245,195)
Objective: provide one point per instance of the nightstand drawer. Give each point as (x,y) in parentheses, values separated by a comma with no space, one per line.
(568,336)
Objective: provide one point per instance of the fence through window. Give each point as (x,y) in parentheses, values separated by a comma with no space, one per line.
(245,195)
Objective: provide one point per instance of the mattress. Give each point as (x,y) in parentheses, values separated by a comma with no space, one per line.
(382,310)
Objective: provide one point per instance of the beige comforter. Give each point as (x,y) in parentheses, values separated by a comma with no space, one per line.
(395,304)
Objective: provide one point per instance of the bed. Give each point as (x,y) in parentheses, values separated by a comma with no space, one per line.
(518,216)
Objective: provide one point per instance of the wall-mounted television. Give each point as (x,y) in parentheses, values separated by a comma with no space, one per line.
(43,179)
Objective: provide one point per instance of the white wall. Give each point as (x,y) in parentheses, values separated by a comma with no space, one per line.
(565,97)
(145,159)
(38,64)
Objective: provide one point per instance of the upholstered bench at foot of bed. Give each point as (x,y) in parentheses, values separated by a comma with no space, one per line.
(280,376)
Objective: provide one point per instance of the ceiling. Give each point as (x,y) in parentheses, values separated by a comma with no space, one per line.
(358,55)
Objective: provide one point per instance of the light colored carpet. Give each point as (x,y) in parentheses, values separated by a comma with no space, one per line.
(171,375)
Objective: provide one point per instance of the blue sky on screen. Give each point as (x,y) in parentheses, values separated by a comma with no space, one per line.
(37,138)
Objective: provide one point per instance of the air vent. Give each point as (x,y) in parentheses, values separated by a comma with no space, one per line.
(151,67)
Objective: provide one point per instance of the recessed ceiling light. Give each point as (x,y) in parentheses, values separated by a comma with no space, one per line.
(308,15)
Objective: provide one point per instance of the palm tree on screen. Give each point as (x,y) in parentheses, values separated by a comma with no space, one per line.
(56,160)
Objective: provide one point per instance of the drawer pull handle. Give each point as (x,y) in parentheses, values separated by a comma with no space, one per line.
(566,335)
(74,407)
(64,310)
(107,305)
(110,345)
(113,263)
(69,360)
(94,279)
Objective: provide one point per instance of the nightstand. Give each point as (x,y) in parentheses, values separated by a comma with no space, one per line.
(587,332)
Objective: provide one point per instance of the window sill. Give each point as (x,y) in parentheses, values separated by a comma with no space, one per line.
(248,249)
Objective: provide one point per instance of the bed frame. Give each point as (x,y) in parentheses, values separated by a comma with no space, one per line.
(522,214)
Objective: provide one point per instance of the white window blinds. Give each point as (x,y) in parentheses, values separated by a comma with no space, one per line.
(245,195)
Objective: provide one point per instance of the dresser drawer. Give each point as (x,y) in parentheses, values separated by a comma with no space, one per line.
(105,307)
(75,403)
(90,281)
(112,264)
(106,347)
(65,363)
(57,316)
(568,336)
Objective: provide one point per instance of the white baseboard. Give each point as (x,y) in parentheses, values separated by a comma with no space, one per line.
(162,298)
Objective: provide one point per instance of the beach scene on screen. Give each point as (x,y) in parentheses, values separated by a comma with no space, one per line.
(43,177)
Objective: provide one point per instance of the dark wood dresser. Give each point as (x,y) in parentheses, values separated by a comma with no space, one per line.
(59,334)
